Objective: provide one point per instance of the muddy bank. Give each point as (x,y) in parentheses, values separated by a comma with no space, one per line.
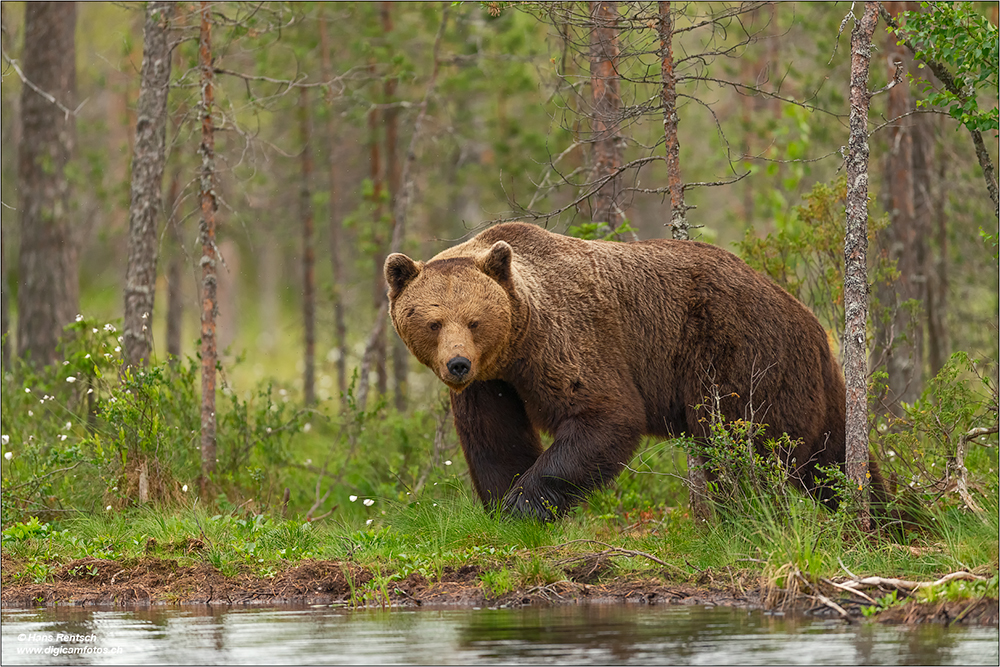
(94,581)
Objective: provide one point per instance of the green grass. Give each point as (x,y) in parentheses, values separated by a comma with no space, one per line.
(436,535)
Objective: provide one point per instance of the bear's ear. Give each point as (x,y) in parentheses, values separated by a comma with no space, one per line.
(399,271)
(496,262)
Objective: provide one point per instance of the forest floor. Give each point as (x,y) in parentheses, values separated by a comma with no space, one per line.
(152,581)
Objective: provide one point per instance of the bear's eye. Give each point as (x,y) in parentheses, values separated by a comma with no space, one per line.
(473,325)
(435,326)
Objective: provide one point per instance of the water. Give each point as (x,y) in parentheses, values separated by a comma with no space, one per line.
(592,634)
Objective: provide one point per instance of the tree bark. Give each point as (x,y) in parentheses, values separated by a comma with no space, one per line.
(175,274)
(697,481)
(679,227)
(900,339)
(938,345)
(147,180)
(378,242)
(308,255)
(855,261)
(209,253)
(48,289)
(606,205)
(400,355)
(340,329)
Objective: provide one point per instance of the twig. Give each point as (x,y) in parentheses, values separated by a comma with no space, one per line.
(850,590)
(816,595)
(910,586)
(45,95)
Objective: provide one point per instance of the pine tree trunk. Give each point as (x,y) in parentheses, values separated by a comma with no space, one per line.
(175,275)
(899,340)
(308,255)
(378,241)
(400,355)
(606,113)
(147,180)
(855,261)
(209,254)
(938,345)
(48,287)
(679,227)
(339,327)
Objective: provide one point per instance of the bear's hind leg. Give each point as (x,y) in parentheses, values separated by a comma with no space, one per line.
(497,437)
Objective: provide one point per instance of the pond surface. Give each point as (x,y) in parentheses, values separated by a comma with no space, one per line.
(586,634)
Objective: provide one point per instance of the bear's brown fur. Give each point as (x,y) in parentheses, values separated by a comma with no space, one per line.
(598,343)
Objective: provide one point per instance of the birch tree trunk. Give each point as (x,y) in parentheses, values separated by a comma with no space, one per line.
(147,181)
(855,261)
(209,253)
(48,286)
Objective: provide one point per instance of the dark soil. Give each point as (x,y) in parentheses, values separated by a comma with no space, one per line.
(94,581)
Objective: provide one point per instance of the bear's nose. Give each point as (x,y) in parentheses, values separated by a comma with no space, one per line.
(459,367)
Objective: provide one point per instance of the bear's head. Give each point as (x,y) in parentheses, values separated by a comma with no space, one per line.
(455,314)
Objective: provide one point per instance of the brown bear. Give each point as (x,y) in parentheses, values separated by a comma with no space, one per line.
(598,343)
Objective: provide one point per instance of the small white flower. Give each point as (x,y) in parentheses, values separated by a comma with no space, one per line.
(4,439)
(65,363)
(8,455)
(79,318)
(27,390)
(62,438)
(95,330)
(145,315)
(184,488)
(31,413)
(307,427)
(87,356)
(68,425)
(369,502)
(109,327)
(369,522)
(108,508)
(90,391)
(118,348)
(352,498)
(71,379)
(309,462)
(447,463)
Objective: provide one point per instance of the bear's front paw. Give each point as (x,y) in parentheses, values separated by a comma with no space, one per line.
(526,502)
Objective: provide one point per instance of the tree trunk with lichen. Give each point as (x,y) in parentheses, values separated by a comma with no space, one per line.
(209,253)
(855,261)
(147,181)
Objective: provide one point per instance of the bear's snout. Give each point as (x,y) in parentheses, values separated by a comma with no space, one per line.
(459,367)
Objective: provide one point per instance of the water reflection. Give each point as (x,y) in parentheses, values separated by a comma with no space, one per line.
(594,634)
